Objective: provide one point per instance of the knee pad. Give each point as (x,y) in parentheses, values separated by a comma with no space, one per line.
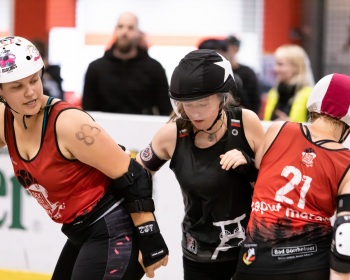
(340,248)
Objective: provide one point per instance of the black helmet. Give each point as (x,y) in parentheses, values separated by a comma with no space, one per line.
(201,73)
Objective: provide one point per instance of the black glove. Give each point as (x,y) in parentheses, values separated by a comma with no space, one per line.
(151,243)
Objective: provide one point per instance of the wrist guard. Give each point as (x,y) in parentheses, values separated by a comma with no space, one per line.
(136,188)
(248,170)
(151,243)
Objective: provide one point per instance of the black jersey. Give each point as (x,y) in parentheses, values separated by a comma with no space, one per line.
(217,202)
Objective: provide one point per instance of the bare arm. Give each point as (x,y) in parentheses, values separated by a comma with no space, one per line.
(344,187)
(339,276)
(163,143)
(253,129)
(270,135)
(79,137)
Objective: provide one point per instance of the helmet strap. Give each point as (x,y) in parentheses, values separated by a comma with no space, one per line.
(344,134)
(24,120)
(215,121)
(2,100)
(28,116)
(24,116)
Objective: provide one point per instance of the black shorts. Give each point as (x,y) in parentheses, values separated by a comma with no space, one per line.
(208,270)
(320,274)
(102,249)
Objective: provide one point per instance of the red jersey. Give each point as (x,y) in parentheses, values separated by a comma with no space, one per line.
(294,198)
(64,188)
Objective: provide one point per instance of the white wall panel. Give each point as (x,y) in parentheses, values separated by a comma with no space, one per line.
(6,16)
(181,17)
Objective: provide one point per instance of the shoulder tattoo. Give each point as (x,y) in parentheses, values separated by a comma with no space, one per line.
(87,134)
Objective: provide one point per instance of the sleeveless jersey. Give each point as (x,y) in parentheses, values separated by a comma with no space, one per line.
(216,201)
(294,198)
(64,188)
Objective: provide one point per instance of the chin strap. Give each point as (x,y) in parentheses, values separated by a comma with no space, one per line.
(215,121)
(24,120)
(8,106)
(25,116)
(344,134)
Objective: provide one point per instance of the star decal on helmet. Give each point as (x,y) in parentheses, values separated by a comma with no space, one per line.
(226,65)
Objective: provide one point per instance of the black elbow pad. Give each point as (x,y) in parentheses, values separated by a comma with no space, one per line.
(136,188)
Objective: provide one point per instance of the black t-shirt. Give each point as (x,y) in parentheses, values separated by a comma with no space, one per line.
(217,202)
(135,86)
(249,93)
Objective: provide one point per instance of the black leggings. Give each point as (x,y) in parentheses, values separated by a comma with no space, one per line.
(208,270)
(104,250)
(321,274)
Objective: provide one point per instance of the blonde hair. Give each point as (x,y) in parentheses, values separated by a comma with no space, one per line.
(297,56)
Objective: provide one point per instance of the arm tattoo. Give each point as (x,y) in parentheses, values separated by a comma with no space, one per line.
(87,134)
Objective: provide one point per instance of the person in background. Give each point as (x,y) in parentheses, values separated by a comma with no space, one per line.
(210,143)
(218,45)
(304,178)
(78,174)
(52,80)
(143,42)
(126,79)
(294,81)
(250,93)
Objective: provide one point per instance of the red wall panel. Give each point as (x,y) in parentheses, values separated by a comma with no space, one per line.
(282,20)
(35,18)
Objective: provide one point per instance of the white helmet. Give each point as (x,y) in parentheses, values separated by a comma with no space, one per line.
(19,58)
(331,96)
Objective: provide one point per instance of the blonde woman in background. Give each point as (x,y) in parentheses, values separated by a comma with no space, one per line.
(294,82)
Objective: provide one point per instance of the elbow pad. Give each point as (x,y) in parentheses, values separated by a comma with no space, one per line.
(340,247)
(248,170)
(136,188)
